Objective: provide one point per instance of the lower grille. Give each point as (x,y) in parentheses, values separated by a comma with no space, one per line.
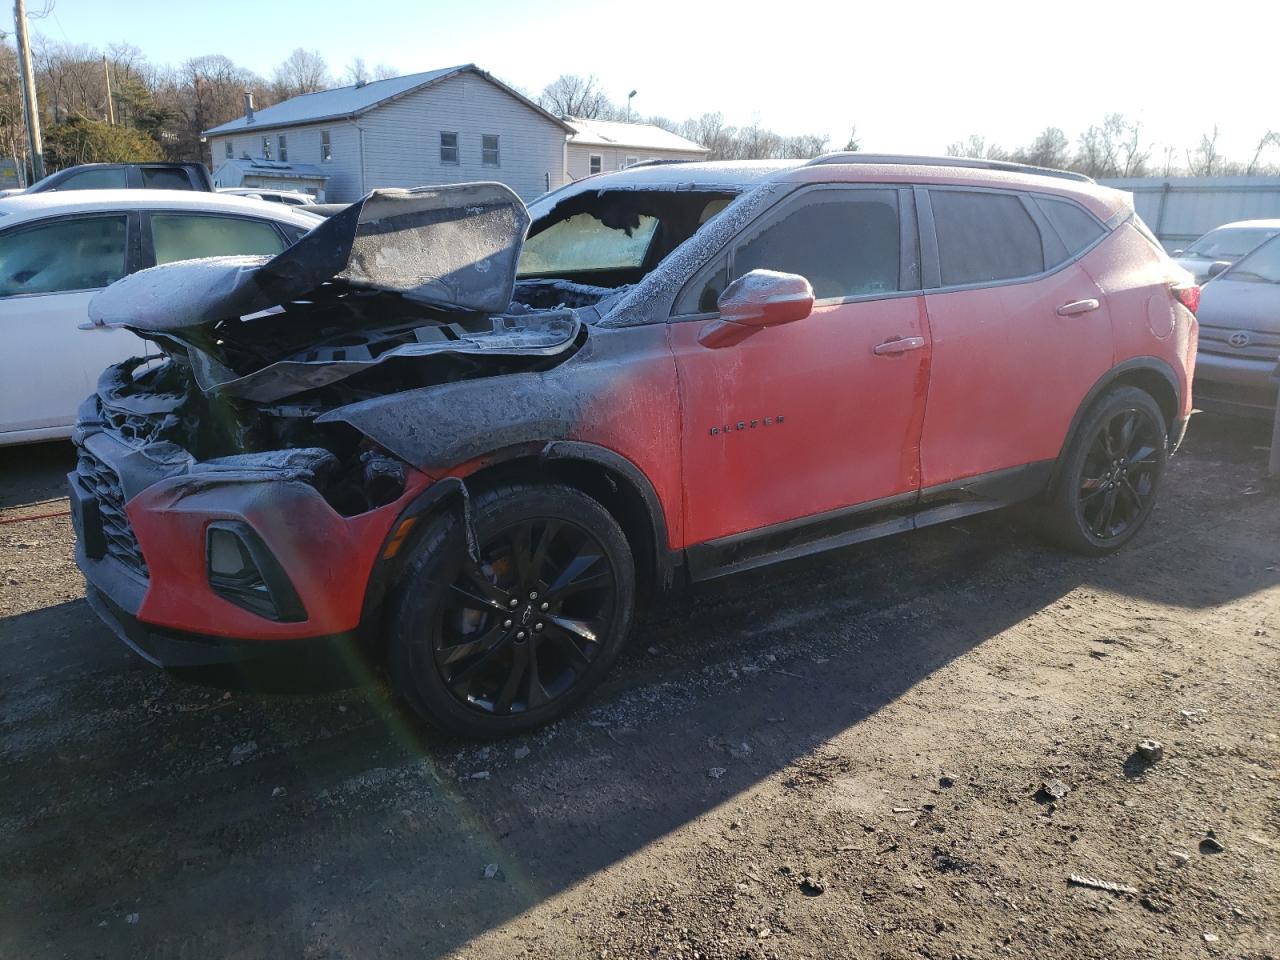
(102,481)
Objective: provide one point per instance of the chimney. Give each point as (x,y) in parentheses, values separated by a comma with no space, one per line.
(248,107)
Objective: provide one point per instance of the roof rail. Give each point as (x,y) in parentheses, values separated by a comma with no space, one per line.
(655,162)
(969,163)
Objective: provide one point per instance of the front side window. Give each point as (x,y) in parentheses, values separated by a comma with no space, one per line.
(266,148)
(984,237)
(326,151)
(102,178)
(595,163)
(1261,266)
(284,148)
(186,236)
(230,147)
(165,178)
(448,147)
(489,149)
(582,244)
(84,253)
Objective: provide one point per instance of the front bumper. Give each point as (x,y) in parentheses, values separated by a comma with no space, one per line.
(1236,386)
(141,544)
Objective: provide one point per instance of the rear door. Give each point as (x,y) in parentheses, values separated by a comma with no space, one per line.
(49,271)
(1020,331)
(815,416)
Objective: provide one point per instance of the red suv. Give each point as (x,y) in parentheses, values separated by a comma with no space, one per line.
(472,436)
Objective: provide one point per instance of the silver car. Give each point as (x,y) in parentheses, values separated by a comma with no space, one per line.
(1223,246)
(1239,354)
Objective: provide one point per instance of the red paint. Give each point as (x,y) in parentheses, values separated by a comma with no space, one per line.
(327,557)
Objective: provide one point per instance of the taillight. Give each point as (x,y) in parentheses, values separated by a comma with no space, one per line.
(1188,295)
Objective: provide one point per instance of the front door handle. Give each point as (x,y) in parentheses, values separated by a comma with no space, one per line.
(898,345)
(1077,307)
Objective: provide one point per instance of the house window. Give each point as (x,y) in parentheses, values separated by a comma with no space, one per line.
(230,147)
(631,161)
(448,147)
(597,163)
(489,149)
(326,152)
(266,148)
(284,148)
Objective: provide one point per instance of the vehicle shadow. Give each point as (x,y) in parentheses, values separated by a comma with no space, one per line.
(35,472)
(321,820)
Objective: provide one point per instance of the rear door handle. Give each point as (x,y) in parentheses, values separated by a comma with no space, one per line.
(898,345)
(1077,306)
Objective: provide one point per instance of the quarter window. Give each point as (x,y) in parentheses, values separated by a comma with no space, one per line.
(189,236)
(326,151)
(165,178)
(1074,227)
(489,149)
(284,148)
(84,253)
(266,148)
(984,237)
(595,163)
(448,147)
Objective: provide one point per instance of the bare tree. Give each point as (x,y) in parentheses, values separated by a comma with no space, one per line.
(1205,160)
(303,71)
(1133,157)
(384,71)
(570,95)
(976,147)
(853,144)
(356,73)
(1269,139)
(1049,149)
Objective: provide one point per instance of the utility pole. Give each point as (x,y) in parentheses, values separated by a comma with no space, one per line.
(30,110)
(111,107)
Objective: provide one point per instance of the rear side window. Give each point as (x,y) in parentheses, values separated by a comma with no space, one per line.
(110,178)
(984,237)
(160,178)
(187,237)
(84,253)
(1076,228)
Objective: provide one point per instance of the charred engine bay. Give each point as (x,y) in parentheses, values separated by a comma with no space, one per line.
(248,390)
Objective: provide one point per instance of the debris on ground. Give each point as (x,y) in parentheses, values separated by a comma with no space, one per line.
(715,773)
(1051,790)
(1150,750)
(132,918)
(278,792)
(492,871)
(1094,883)
(1211,844)
(242,752)
(521,752)
(811,886)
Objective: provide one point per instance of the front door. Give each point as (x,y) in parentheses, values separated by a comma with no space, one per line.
(48,274)
(822,414)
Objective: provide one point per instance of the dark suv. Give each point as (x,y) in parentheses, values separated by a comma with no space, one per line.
(474,451)
(132,176)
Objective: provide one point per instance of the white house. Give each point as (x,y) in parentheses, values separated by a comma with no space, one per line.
(598,146)
(444,126)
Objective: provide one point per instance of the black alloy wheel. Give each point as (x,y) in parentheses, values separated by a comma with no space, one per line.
(512,636)
(522,626)
(1120,473)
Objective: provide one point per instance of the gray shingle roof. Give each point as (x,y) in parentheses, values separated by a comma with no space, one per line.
(343,102)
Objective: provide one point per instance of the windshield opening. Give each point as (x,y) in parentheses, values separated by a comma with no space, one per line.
(1261,266)
(1229,243)
(614,238)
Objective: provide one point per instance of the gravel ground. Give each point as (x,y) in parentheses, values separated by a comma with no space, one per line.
(841,757)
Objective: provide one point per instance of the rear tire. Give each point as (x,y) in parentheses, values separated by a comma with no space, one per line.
(1107,484)
(517,640)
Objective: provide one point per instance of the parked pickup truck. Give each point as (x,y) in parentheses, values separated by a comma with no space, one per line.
(115,176)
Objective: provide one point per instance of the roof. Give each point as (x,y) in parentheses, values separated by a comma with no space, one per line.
(729,175)
(33,206)
(274,168)
(641,136)
(343,103)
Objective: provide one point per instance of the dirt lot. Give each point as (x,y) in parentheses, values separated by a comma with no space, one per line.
(837,758)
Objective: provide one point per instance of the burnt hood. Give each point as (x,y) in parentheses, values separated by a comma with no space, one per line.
(454,247)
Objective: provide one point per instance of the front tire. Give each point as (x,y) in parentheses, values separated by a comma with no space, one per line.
(1108,481)
(518,639)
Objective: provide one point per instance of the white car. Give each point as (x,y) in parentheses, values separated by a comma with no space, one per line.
(292,198)
(58,249)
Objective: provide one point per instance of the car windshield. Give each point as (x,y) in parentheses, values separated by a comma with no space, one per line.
(1229,243)
(614,238)
(1261,266)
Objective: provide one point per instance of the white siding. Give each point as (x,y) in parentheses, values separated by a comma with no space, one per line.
(304,147)
(402,138)
(578,157)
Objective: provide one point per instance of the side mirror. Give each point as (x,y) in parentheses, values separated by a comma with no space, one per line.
(759,299)
(1177,253)
(1217,267)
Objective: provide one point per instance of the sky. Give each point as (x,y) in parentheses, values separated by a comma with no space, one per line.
(913,76)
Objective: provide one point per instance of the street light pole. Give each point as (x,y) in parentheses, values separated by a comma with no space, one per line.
(629,97)
(30,110)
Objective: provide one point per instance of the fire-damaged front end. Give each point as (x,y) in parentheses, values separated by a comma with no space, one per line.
(244,482)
